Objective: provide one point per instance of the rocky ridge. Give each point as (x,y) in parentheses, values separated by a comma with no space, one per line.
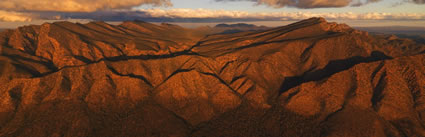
(310,78)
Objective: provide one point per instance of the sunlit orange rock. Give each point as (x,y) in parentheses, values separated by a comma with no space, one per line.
(310,78)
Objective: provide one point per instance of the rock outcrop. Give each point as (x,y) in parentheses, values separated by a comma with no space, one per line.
(310,78)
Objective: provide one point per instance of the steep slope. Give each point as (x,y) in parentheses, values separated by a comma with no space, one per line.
(310,78)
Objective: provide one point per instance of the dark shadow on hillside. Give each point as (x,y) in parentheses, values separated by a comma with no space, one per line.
(330,69)
(417,38)
(231,31)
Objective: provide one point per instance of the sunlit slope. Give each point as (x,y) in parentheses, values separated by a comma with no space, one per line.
(310,78)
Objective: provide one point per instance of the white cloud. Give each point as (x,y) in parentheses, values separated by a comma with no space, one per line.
(75,5)
(10,16)
(195,13)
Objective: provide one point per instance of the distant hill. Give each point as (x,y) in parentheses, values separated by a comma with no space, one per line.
(235,28)
(395,29)
(414,33)
(236,25)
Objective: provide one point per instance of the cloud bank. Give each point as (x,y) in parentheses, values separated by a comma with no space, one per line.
(266,16)
(308,4)
(100,5)
(75,5)
(417,1)
(200,15)
(121,10)
(27,10)
(206,15)
(10,16)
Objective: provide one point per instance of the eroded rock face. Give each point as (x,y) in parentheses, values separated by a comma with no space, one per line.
(310,78)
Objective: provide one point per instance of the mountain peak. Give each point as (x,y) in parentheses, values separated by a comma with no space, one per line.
(314,20)
(329,26)
(321,19)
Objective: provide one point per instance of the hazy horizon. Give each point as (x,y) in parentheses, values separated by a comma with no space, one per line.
(352,23)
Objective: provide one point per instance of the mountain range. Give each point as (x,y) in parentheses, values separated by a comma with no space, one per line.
(309,78)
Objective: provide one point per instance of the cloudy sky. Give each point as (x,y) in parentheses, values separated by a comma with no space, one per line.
(387,12)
